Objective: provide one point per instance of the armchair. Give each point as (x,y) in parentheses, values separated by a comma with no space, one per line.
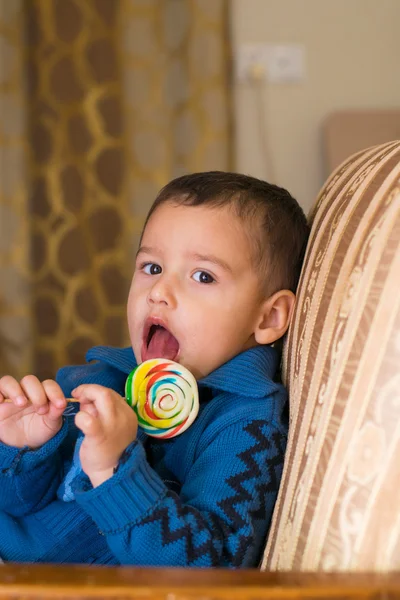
(336,526)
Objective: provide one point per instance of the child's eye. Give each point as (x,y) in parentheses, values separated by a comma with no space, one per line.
(152,269)
(203,277)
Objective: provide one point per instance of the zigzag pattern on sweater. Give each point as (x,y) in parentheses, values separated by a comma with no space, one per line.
(187,532)
(275,446)
(218,531)
(274,465)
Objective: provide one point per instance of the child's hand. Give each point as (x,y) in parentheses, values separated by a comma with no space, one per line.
(109,425)
(34,414)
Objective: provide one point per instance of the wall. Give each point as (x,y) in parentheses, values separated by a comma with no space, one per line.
(352,61)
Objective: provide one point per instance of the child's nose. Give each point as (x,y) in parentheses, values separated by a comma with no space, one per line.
(161,292)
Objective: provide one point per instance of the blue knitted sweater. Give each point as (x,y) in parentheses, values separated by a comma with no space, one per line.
(204,498)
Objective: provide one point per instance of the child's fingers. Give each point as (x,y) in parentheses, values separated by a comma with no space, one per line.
(89,408)
(103,398)
(90,425)
(56,398)
(54,392)
(34,390)
(11,388)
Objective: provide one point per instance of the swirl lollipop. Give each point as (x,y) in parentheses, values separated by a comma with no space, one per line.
(164,396)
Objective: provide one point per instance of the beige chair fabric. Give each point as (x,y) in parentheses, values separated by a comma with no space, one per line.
(339,502)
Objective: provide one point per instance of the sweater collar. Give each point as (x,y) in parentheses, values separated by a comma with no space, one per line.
(252,370)
(122,359)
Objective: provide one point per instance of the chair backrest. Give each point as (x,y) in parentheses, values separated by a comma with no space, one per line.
(346,132)
(339,502)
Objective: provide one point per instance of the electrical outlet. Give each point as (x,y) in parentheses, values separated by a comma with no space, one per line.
(276,63)
(251,58)
(286,63)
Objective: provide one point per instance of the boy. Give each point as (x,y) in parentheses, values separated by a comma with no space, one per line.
(213,288)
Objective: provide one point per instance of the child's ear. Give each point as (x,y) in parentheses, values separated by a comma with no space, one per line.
(275,315)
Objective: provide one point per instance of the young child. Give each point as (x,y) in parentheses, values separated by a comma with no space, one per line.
(213,289)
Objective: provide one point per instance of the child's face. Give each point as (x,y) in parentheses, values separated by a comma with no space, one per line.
(195,295)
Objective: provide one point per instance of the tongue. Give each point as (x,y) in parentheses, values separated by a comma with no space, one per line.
(162,345)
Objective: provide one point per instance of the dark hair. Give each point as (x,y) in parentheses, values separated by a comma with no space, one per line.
(277,225)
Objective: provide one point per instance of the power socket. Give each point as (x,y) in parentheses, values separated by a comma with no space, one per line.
(275,63)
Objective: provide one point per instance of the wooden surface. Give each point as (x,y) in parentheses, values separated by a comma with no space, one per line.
(27,582)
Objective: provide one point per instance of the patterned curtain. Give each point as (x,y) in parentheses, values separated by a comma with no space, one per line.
(16,350)
(102,102)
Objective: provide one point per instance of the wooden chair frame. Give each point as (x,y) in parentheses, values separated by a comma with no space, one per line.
(34,582)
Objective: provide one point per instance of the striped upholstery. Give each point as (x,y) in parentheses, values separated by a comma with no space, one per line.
(339,503)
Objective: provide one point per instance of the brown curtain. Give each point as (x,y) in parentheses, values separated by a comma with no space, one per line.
(16,349)
(105,101)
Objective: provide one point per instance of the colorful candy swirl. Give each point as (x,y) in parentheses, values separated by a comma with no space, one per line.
(164,396)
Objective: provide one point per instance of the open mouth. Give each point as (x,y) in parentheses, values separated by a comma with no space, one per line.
(158,342)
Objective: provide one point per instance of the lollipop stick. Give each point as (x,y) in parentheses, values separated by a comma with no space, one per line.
(67,399)
(69,410)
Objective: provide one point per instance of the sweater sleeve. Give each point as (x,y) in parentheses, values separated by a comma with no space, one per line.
(221,515)
(29,479)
